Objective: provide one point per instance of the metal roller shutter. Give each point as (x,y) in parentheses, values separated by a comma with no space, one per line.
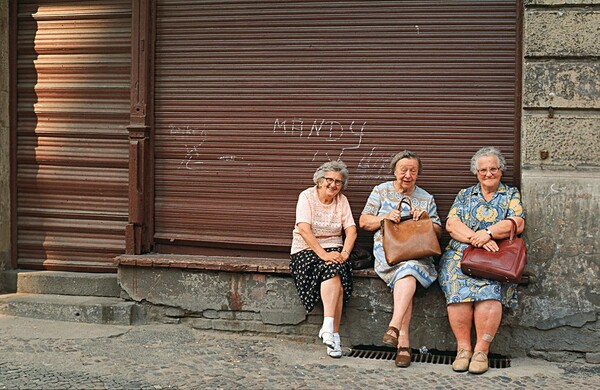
(73,72)
(251,97)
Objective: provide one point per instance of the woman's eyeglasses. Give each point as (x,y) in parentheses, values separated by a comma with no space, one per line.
(331,180)
(483,171)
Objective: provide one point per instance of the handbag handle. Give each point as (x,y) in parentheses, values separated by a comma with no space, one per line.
(513,229)
(405,199)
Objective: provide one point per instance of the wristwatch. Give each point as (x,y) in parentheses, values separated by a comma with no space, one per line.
(488,231)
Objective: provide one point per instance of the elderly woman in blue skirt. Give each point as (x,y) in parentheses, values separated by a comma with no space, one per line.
(402,278)
(478,218)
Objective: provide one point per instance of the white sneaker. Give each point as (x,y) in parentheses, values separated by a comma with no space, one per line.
(336,351)
(327,338)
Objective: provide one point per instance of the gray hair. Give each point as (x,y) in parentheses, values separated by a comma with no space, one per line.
(405,154)
(331,166)
(485,152)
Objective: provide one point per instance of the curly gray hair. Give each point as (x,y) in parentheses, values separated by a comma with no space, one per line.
(405,154)
(485,152)
(331,166)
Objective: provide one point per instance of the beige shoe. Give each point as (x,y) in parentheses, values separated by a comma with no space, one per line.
(461,363)
(479,363)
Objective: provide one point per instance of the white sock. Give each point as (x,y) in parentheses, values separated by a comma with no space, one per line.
(328,324)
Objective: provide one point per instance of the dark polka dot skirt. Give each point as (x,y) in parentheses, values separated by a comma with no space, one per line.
(308,271)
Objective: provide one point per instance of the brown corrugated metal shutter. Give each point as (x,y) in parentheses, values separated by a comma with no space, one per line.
(251,97)
(73,75)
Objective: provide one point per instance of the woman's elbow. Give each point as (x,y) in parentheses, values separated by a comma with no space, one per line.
(362,223)
(450,225)
(520,225)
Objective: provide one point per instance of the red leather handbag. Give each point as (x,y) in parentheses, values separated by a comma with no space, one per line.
(506,265)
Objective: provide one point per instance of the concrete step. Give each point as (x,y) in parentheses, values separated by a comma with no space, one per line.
(96,310)
(61,283)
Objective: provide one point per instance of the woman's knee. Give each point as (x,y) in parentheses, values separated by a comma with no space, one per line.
(460,310)
(405,281)
(491,305)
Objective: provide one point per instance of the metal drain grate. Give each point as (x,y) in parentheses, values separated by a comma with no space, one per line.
(433,357)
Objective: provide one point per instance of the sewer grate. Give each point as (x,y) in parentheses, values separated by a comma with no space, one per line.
(433,356)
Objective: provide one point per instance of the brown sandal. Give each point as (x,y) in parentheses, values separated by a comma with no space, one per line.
(403,360)
(389,339)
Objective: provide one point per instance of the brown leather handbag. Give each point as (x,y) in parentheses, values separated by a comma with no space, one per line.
(409,239)
(506,265)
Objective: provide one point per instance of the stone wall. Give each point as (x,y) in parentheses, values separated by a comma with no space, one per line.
(268,303)
(561,180)
(4,144)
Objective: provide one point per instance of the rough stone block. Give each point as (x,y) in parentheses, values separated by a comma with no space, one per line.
(283,317)
(561,84)
(561,141)
(174,312)
(558,357)
(561,32)
(239,315)
(201,323)
(210,314)
(592,357)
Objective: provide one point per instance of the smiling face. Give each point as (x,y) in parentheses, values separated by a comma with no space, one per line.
(331,184)
(406,172)
(489,173)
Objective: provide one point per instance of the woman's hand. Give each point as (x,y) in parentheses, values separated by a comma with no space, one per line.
(491,246)
(416,213)
(394,215)
(481,238)
(333,257)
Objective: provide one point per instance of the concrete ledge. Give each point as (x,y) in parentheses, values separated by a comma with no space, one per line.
(216,263)
(62,283)
(97,310)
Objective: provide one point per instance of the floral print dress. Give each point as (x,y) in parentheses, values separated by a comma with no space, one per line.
(383,199)
(477,213)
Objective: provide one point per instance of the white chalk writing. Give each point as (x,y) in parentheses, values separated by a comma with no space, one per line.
(192,151)
(373,166)
(349,136)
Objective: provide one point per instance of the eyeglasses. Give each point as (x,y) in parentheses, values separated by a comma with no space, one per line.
(331,180)
(483,171)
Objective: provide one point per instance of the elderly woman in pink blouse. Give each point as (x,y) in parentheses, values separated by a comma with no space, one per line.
(318,261)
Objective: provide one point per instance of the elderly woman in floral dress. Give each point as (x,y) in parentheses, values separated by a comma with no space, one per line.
(478,218)
(402,278)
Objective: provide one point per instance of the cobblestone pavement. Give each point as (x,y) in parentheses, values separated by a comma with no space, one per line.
(39,354)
